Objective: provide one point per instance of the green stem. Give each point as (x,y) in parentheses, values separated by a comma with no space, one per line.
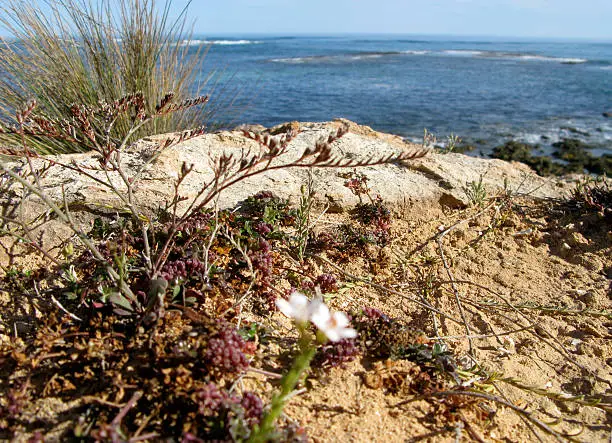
(262,433)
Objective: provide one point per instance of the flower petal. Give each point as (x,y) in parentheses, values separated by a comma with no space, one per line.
(340,320)
(320,315)
(284,306)
(297,307)
(348,333)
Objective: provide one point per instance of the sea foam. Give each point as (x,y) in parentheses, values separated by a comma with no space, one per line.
(218,42)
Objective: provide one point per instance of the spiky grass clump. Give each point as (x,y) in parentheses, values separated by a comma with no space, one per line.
(593,196)
(73,51)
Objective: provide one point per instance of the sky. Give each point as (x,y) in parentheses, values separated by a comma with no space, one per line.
(516,18)
(565,19)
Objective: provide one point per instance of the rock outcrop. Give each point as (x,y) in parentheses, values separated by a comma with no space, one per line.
(436,177)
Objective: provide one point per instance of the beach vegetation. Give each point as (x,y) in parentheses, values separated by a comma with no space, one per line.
(67,53)
(164,292)
(476,192)
(165,324)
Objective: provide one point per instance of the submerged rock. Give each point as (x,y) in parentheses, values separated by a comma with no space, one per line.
(576,153)
(574,157)
(522,152)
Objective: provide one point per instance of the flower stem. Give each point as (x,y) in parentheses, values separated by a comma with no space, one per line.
(262,433)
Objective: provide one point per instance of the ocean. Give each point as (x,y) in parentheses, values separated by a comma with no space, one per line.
(486,91)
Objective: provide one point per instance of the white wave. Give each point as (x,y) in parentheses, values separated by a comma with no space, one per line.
(364,56)
(331,58)
(295,60)
(514,56)
(218,42)
(572,61)
(544,58)
(416,52)
(462,52)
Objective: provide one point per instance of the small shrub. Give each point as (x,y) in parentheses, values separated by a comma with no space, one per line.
(327,283)
(593,195)
(383,337)
(332,355)
(476,192)
(130,282)
(588,210)
(453,145)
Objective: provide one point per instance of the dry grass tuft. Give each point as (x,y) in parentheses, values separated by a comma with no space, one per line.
(73,51)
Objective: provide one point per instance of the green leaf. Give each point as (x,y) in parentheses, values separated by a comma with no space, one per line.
(176,290)
(248,229)
(118,299)
(249,333)
(70,295)
(270,215)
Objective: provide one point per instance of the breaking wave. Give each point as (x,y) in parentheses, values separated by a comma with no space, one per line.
(218,42)
(335,58)
(524,57)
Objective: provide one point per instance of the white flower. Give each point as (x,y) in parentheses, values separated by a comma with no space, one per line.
(333,325)
(297,307)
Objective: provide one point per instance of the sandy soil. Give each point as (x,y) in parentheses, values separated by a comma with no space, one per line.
(530,288)
(513,270)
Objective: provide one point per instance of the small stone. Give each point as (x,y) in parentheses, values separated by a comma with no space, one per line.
(550,408)
(591,262)
(575,345)
(565,250)
(335,203)
(588,297)
(540,331)
(524,232)
(509,347)
(577,239)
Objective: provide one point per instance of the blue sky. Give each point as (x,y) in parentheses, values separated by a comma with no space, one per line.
(518,18)
(591,19)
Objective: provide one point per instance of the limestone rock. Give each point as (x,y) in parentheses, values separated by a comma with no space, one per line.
(436,177)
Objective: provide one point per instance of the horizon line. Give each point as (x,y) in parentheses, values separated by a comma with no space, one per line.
(506,38)
(393,34)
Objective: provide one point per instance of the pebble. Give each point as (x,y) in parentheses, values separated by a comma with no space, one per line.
(335,203)
(588,297)
(550,408)
(576,345)
(523,233)
(577,239)
(591,262)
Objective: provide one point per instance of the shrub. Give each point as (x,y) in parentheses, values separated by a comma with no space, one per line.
(126,284)
(87,52)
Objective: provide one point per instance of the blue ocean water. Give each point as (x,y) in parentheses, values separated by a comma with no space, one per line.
(487,91)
